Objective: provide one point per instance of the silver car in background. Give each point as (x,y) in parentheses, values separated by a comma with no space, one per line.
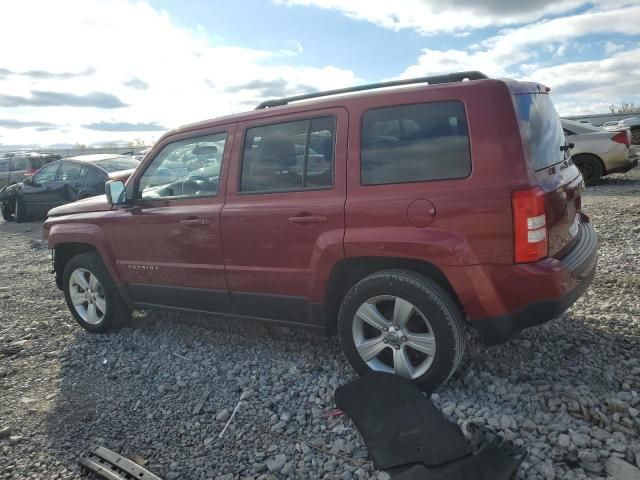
(597,152)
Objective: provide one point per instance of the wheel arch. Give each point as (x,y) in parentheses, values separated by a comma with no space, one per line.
(350,271)
(68,240)
(591,155)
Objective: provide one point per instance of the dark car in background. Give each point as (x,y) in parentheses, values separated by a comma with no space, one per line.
(61,182)
(15,167)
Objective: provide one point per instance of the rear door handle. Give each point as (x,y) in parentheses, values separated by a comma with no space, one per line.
(307,218)
(194,222)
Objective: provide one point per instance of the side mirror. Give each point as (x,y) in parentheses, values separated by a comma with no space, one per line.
(116,192)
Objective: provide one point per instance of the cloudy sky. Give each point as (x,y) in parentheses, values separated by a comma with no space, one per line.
(101,71)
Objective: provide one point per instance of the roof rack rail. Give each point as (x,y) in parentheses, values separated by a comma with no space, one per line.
(433,80)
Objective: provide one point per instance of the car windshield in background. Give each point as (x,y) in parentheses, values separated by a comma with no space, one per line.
(541,128)
(117,164)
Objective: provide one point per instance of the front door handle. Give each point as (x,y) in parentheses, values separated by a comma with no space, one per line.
(194,222)
(307,218)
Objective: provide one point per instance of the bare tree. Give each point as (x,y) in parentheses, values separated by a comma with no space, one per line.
(625,107)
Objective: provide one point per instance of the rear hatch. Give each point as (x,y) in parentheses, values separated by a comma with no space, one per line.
(549,157)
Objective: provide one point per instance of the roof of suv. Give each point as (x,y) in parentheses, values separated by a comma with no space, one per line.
(336,98)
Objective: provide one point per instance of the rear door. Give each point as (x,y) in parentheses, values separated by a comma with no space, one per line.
(544,142)
(70,181)
(283,220)
(4,172)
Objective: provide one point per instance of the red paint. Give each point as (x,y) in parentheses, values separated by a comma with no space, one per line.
(288,243)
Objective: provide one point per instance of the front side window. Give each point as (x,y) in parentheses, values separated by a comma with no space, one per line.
(413,143)
(185,169)
(289,156)
(46,174)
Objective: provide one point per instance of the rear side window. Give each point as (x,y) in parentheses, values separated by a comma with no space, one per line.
(413,143)
(18,164)
(70,172)
(289,156)
(4,165)
(94,180)
(541,129)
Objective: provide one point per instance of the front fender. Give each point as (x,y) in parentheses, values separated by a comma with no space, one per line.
(58,234)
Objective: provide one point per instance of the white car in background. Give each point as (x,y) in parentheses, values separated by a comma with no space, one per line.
(598,152)
(633,124)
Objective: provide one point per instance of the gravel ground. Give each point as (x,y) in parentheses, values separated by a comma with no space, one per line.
(568,391)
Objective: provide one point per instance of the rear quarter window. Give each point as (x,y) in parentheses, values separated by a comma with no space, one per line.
(413,143)
(541,129)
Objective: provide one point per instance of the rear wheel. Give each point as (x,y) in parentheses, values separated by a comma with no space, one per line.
(590,167)
(91,295)
(397,321)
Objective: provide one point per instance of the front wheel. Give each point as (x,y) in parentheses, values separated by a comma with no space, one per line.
(400,322)
(91,295)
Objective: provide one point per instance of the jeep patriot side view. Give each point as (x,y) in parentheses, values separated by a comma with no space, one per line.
(390,216)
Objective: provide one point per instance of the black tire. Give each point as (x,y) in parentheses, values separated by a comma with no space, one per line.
(427,296)
(117,312)
(6,208)
(591,168)
(20,210)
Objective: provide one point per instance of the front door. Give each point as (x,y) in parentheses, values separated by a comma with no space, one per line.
(40,192)
(168,241)
(283,220)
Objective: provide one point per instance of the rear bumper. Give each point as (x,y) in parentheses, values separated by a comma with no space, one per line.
(633,162)
(510,298)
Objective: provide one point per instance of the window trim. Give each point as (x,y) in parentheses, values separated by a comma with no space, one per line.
(137,199)
(309,120)
(466,117)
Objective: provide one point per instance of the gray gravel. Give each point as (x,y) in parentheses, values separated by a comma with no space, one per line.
(163,389)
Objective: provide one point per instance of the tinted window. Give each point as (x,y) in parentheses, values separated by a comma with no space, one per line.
(46,174)
(4,165)
(541,129)
(412,143)
(188,168)
(70,172)
(40,162)
(95,180)
(117,164)
(19,164)
(289,156)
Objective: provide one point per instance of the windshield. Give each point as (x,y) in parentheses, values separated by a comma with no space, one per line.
(117,164)
(541,129)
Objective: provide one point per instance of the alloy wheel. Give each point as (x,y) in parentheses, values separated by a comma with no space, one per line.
(87,296)
(392,335)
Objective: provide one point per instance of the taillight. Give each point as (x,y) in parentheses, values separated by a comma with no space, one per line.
(622,137)
(530,237)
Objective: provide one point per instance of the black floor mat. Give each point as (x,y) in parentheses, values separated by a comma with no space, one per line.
(411,439)
(399,424)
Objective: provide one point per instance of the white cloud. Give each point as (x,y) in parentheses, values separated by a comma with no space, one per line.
(434,16)
(186,74)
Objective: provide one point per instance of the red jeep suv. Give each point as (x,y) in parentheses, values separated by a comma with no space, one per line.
(392,216)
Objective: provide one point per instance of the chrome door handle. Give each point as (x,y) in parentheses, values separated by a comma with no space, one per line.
(194,222)
(307,219)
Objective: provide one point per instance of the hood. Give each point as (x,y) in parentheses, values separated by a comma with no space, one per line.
(121,175)
(6,192)
(91,204)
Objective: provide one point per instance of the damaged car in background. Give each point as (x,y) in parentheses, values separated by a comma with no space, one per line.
(61,182)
